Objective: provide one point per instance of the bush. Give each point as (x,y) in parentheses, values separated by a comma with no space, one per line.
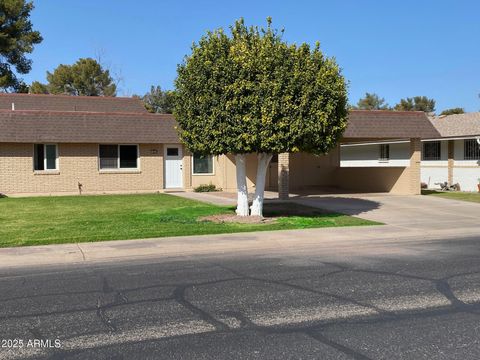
(206,188)
(423,185)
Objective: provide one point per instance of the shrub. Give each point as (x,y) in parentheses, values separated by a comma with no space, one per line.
(423,185)
(206,188)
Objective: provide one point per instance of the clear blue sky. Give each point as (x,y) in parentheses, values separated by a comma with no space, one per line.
(394,48)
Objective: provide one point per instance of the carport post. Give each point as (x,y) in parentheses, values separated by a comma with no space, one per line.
(283,175)
(415,158)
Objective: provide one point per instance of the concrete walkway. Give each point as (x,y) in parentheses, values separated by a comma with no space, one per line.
(367,239)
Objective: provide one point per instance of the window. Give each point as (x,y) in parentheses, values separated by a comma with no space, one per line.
(45,157)
(432,150)
(118,157)
(471,150)
(172,151)
(202,164)
(384,152)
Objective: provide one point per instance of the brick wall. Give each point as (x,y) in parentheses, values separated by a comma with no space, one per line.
(414,169)
(77,163)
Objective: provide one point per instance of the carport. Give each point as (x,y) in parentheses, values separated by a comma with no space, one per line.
(301,171)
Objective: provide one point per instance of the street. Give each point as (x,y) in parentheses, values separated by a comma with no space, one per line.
(403,299)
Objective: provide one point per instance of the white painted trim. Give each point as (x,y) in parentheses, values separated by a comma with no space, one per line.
(376,143)
(473,137)
(203,174)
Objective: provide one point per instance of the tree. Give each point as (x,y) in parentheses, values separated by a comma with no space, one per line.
(417,103)
(38,88)
(85,77)
(372,101)
(453,111)
(17,38)
(158,101)
(251,92)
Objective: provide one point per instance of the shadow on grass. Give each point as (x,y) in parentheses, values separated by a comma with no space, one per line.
(341,206)
(430,192)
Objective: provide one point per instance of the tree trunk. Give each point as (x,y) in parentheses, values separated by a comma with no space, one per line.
(262,167)
(242,191)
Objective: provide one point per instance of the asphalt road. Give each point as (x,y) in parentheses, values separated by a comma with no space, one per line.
(412,300)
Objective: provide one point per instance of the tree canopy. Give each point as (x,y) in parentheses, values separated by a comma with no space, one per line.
(372,101)
(17,38)
(85,77)
(417,103)
(453,111)
(158,101)
(249,91)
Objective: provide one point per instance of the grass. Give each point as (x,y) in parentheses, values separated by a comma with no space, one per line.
(455,195)
(70,219)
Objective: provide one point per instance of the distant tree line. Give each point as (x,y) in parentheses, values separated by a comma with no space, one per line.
(372,101)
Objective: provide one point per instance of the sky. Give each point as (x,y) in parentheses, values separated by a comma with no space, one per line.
(396,49)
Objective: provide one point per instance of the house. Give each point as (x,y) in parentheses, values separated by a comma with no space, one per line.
(52,144)
(452,157)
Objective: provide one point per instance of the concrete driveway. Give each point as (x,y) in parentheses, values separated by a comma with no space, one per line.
(412,212)
(408,212)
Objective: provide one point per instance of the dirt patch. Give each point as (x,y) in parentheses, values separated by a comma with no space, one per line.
(231,218)
(272,211)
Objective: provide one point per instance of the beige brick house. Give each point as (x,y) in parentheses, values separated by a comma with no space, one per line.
(52,144)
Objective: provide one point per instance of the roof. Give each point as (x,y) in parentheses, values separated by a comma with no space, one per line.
(142,127)
(27,126)
(70,103)
(387,124)
(458,125)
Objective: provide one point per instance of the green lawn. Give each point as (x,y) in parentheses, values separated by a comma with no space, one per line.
(455,195)
(67,219)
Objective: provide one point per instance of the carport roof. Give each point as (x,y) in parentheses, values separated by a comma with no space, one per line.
(387,124)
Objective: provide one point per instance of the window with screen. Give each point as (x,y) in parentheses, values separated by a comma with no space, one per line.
(384,152)
(118,157)
(432,150)
(471,150)
(45,157)
(202,164)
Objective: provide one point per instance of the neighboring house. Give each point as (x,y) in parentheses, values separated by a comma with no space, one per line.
(452,157)
(53,144)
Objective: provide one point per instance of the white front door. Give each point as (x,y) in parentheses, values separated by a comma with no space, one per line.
(173,166)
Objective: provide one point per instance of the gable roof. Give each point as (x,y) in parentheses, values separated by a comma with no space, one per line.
(458,124)
(70,103)
(142,127)
(387,124)
(34,126)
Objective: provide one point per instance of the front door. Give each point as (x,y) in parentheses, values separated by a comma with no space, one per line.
(173,166)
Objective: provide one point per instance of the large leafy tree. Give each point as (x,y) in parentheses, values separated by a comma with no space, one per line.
(417,103)
(372,101)
(158,101)
(17,38)
(251,92)
(85,77)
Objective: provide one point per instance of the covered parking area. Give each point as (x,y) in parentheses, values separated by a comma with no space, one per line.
(305,172)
